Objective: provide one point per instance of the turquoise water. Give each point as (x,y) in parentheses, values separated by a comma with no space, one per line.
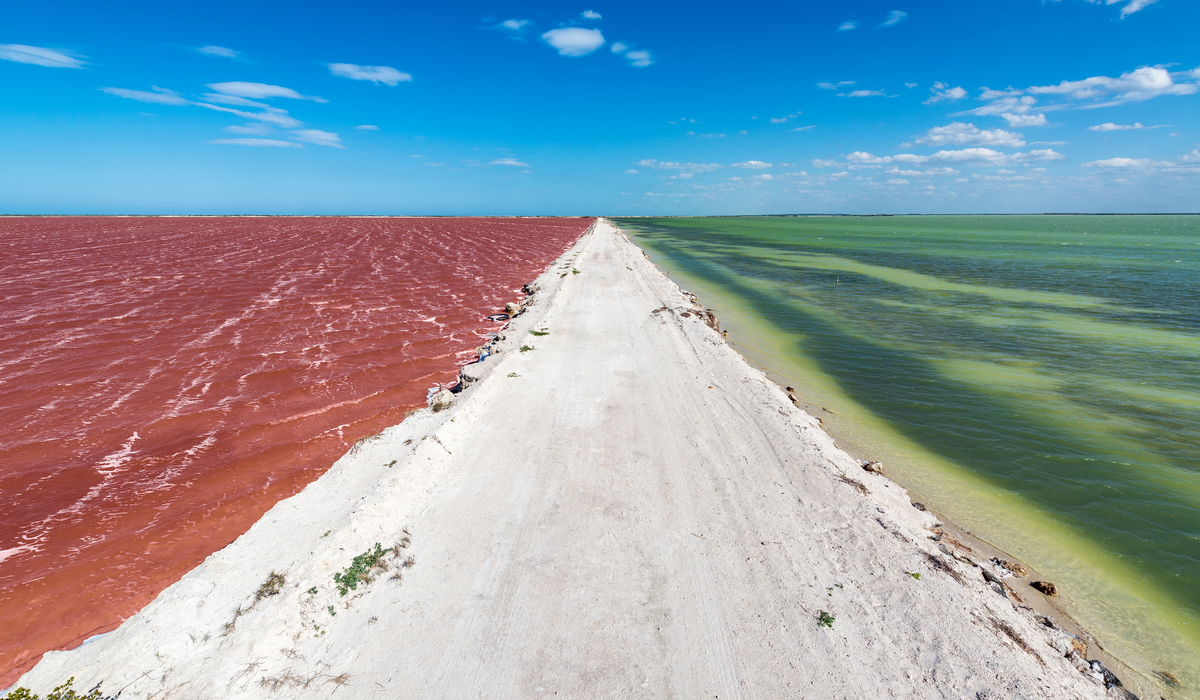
(1035,378)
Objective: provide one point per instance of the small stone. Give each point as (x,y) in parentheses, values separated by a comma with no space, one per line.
(1045,587)
(1169,678)
(1015,567)
(512,309)
(1079,645)
(997,588)
(873,467)
(918,506)
(1110,678)
(441,400)
(1116,691)
(1078,662)
(990,575)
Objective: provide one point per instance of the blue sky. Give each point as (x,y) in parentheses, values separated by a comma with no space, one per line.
(604,108)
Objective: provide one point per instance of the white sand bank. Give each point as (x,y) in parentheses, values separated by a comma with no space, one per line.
(636,513)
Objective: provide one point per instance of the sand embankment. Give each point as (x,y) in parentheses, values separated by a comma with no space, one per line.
(627,509)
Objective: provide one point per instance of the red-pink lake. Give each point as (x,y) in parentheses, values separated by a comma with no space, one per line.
(165,381)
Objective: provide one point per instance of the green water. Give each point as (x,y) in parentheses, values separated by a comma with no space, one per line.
(1034,378)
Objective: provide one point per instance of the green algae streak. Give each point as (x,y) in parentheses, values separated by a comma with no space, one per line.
(1034,378)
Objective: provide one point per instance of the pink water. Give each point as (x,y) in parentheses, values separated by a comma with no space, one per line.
(165,381)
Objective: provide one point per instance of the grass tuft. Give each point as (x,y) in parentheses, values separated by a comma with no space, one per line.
(359,570)
(270,587)
(825,620)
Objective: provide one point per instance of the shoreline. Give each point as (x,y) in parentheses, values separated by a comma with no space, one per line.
(580,522)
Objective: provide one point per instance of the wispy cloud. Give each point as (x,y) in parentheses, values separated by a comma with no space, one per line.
(590,14)
(863,93)
(1137,85)
(834,86)
(376,74)
(259,143)
(848,25)
(1187,163)
(1130,6)
(960,134)
(317,137)
(219,51)
(258,91)
(509,161)
(894,17)
(619,47)
(942,91)
(250,129)
(671,165)
(1019,120)
(1109,126)
(160,96)
(38,56)
(804,128)
(367,127)
(753,165)
(980,156)
(640,58)
(574,41)
(278,117)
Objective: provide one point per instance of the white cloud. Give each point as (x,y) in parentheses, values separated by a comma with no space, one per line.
(160,96)
(250,129)
(804,128)
(38,56)
(959,134)
(1019,120)
(261,143)
(631,171)
(910,85)
(942,91)
(983,156)
(894,17)
(848,25)
(513,25)
(590,14)
(683,176)
(1124,163)
(834,86)
(864,93)
(639,59)
(367,127)
(765,176)
(778,120)
(509,161)
(574,41)
(278,117)
(317,137)
(376,74)
(260,91)
(218,51)
(1141,84)
(670,165)
(818,163)
(1010,104)
(752,164)
(1109,126)
(1130,7)
(733,179)
(619,47)
(239,101)
(897,182)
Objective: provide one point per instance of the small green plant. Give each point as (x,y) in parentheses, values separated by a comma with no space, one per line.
(391,464)
(62,692)
(312,591)
(825,620)
(563,275)
(270,587)
(331,610)
(359,570)
(574,271)
(914,575)
(526,348)
(539,333)
(513,374)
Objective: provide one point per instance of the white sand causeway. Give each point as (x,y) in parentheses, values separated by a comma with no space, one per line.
(627,510)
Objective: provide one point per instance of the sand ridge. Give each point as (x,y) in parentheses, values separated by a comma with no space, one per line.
(624,509)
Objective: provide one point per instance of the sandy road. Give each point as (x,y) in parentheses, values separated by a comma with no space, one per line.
(635,513)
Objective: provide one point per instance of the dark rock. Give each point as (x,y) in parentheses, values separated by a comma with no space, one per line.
(1110,678)
(997,587)
(990,575)
(789,388)
(1116,691)
(1169,678)
(918,506)
(1045,587)
(1015,567)
(873,467)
